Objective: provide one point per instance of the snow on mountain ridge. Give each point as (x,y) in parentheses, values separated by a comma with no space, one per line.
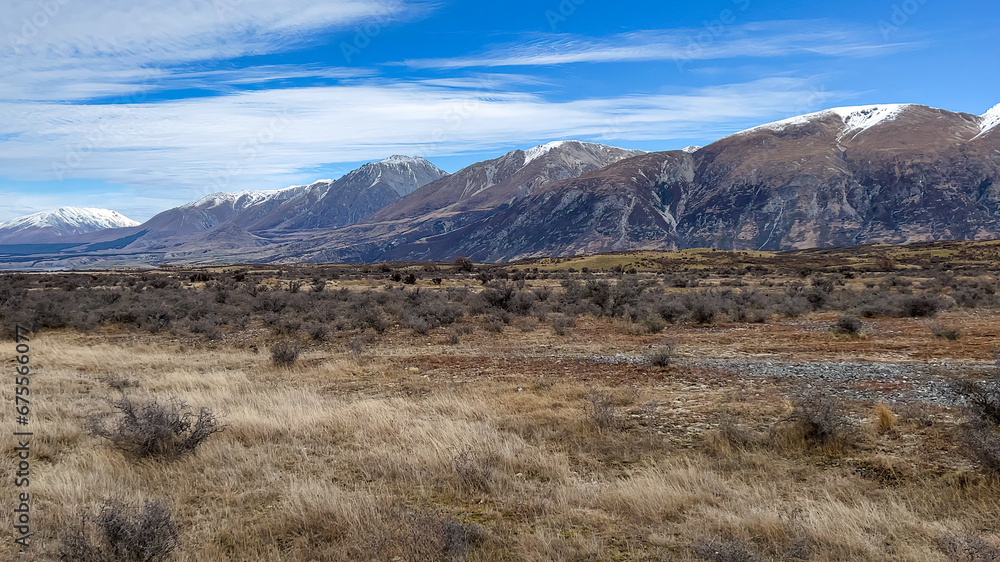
(402,159)
(541,150)
(988,121)
(857,119)
(72,218)
(249,197)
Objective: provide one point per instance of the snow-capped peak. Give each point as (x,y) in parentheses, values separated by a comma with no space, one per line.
(246,197)
(989,120)
(542,150)
(691,149)
(857,119)
(71,220)
(401,159)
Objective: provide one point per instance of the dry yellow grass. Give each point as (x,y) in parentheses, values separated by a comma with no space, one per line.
(886,418)
(408,453)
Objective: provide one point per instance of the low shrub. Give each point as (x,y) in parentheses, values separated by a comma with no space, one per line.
(662,355)
(848,325)
(122,532)
(600,408)
(284,353)
(947,332)
(821,419)
(156,429)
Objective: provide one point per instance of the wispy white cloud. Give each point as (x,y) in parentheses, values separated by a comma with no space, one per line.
(75,50)
(762,39)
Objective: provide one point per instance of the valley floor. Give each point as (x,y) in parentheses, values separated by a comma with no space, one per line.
(531,445)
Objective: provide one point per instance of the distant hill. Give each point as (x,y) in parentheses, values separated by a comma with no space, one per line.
(48,226)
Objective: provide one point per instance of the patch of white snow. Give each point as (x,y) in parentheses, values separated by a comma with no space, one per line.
(988,121)
(857,119)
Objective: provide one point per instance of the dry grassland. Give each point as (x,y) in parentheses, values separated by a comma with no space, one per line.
(528,445)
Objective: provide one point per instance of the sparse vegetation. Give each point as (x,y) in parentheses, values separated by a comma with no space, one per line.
(516,412)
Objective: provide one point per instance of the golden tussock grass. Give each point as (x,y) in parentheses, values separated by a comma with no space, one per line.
(384,457)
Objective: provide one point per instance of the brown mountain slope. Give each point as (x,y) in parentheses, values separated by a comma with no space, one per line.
(626,205)
(896,174)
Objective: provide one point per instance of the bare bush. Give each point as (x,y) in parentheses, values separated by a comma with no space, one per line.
(284,353)
(967,548)
(981,438)
(122,532)
(156,429)
(848,325)
(922,305)
(982,398)
(474,473)
(662,355)
(559,323)
(821,419)
(600,407)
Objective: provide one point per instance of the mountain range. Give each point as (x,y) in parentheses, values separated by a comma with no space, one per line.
(846,176)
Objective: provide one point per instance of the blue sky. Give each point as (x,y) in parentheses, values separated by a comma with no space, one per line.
(142,105)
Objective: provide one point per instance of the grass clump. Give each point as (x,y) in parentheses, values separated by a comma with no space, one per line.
(886,418)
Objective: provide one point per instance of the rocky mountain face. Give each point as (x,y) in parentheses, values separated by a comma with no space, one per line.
(463,198)
(349,200)
(65,221)
(623,206)
(894,174)
(251,218)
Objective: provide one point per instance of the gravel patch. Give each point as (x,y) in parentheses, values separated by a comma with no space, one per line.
(852,380)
